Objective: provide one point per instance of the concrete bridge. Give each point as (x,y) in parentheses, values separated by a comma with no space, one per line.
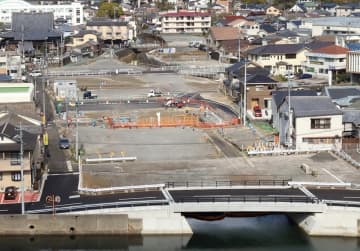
(319,208)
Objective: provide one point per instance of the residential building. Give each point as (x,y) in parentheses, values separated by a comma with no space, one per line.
(353,65)
(347,9)
(114,31)
(248,28)
(33,35)
(10,161)
(330,8)
(72,13)
(185,22)
(82,37)
(342,96)
(258,87)
(279,59)
(332,25)
(315,123)
(351,122)
(278,98)
(330,58)
(219,34)
(273,11)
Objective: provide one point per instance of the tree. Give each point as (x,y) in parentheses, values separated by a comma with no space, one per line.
(110,10)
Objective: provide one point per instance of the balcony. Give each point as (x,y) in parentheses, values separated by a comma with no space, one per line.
(324,64)
(13,164)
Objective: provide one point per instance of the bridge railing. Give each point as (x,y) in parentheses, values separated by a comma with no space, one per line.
(226,183)
(247,198)
(86,207)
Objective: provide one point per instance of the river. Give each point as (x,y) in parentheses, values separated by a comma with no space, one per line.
(259,233)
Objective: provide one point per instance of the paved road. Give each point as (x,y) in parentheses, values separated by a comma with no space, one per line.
(237,195)
(65,186)
(337,194)
(226,148)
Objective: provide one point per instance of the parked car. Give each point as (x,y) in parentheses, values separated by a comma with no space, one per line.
(64,143)
(154,93)
(10,193)
(257,111)
(174,103)
(305,75)
(89,95)
(36,73)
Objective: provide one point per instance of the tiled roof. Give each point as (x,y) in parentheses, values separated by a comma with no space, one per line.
(186,14)
(229,19)
(332,49)
(224,33)
(279,96)
(277,49)
(351,116)
(313,106)
(106,22)
(32,26)
(342,92)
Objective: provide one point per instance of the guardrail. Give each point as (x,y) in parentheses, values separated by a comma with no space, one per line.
(86,207)
(229,183)
(248,198)
(123,188)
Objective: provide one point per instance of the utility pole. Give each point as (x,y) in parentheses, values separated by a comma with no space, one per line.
(22,170)
(245,83)
(77,129)
(289,111)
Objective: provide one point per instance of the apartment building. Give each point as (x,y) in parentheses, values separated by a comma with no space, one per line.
(320,61)
(73,13)
(185,22)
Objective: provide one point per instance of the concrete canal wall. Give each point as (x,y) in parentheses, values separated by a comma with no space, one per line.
(91,224)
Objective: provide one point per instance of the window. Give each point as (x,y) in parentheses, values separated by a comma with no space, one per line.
(16,176)
(319,140)
(15,159)
(259,88)
(320,123)
(288,56)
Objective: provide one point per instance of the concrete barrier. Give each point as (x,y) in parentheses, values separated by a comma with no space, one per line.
(68,225)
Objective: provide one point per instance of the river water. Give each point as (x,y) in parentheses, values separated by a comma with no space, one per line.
(260,233)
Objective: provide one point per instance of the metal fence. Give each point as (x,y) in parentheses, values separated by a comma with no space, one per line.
(229,183)
(248,198)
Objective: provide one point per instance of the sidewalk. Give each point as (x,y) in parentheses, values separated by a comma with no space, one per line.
(28,197)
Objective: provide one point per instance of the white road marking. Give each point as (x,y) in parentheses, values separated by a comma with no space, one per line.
(354,197)
(71,204)
(74,196)
(332,175)
(139,198)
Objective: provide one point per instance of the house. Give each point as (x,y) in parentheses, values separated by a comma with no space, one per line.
(258,87)
(279,59)
(343,96)
(82,37)
(332,25)
(228,50)
(347,9)
(114,31)
(351,122)
(272,11)
(38,33)
(248,28)
(298,8)
(185,22)
(353,65)
(329,7)
(278,98)
(228,19)
(72,13)
(10,161)
(315,123)
(220,34)
(330,58)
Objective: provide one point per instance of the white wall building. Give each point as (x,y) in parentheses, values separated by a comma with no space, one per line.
(332,25)
(73,13)
(185,22)
(316,123)
(16,92)
(320,61)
